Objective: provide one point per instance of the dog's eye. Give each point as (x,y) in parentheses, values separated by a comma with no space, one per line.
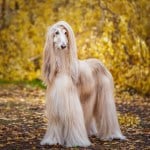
(65,32)
(57,32)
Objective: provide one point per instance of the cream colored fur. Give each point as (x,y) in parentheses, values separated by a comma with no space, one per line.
(79,97)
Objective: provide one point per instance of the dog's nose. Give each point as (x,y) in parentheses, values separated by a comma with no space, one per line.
(63,46)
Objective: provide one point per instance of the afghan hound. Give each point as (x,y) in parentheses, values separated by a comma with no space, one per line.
(79,97)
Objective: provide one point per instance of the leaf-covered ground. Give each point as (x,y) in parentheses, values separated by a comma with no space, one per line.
(23,124)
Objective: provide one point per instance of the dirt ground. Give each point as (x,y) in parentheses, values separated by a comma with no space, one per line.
(23,124)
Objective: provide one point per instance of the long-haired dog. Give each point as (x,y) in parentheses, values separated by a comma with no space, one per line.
(79,97)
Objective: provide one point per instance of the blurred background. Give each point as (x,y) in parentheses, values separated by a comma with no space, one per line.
(116,32)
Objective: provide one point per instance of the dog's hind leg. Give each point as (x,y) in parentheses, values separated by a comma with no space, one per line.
(106,115)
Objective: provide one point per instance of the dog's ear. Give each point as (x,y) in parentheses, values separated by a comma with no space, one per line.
(48,68)
(73,53)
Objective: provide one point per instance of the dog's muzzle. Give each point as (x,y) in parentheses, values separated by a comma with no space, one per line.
(63,46)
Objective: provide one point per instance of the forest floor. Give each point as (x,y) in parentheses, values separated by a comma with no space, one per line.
(23,124)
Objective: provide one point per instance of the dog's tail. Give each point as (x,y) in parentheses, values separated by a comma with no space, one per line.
(105,110)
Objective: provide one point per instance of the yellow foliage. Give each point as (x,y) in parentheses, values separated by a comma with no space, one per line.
(116,32)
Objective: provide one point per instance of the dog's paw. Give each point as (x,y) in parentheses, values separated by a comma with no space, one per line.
(45,142)
(113,137)
(120,137)
(81,144)
(48,141)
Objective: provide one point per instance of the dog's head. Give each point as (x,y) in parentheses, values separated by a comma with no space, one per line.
(60,40)
(60,36)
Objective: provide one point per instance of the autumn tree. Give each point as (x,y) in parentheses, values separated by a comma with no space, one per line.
(116,32)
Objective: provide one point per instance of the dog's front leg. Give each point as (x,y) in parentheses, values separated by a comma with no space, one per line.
(74,128)
(71,114)
(66,124)
(53,134)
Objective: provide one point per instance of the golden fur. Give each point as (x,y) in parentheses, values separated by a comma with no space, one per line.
(79,97)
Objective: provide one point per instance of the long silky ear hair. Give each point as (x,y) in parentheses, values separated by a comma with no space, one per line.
(72,50)
(49,64)
(49,59)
